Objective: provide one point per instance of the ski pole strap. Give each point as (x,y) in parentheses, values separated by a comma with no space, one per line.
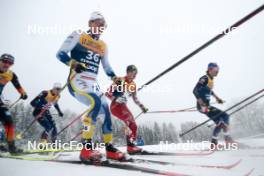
(205,45)
(232,107)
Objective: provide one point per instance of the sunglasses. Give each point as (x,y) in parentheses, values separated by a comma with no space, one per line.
(58,89)
(8,62)
(100,22)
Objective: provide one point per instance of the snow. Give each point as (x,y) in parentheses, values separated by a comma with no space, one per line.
(251,158)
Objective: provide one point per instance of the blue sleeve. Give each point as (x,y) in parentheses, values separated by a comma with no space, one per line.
(67,46)
(197,91)
(107,67)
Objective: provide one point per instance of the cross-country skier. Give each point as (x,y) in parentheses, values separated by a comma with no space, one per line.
(118,93)
(83,52)
(6,75)
(42,104)
(203,91)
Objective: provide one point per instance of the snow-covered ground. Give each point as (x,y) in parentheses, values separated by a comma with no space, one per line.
(251,158)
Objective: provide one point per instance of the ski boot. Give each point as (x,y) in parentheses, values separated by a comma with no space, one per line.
(214,144)
(132,148)
(43,144)
(229,140)
(88,154)
(13,150)
(233,144)
(113,153)
(3,148)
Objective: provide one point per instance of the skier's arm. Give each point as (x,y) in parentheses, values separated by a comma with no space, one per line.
(198,89)
(136,100)
(107,67)
(19,88)
(67,46)
(56,106)
(219,100)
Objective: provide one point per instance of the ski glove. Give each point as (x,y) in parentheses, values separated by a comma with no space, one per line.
(144,109)
(23,96)
(117,80)
(79,68)
(60,114)
(220,101)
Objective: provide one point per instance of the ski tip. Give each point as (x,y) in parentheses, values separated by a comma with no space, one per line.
(173,174)
(250,172)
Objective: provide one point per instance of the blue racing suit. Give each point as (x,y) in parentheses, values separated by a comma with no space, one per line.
(203,90)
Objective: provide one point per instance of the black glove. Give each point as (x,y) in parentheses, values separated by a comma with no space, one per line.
(60,114)
(144,109)
(117,80)
(220,101)
(23,96)
(79,68)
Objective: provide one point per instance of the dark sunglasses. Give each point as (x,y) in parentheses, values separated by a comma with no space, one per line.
(8,62)
(58,89)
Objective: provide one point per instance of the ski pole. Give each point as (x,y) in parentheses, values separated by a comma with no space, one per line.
(77,135)
(139,115)
(172,111)
(232,107)
(247,104)
(72,122)
(183,110)
(242,107)
(15,102)
(20,135)
(205,45)
(191,109)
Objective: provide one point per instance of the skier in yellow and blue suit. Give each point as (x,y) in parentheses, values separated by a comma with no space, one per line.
(42,104)
(83,52)
(203,92)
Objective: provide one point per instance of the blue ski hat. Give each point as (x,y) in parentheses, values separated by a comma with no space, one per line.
(212,65)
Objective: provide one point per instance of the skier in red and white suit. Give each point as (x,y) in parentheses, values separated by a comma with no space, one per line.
(117,94)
